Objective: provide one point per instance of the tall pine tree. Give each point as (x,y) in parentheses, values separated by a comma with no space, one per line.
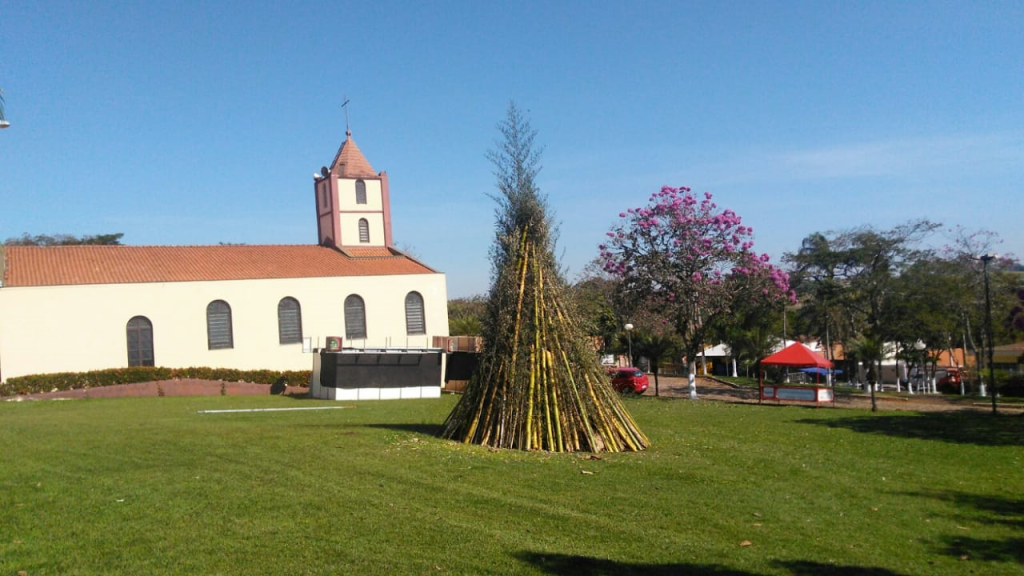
(539,385)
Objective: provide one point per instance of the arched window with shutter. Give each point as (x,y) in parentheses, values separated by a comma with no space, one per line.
(289,321)
(355,318)
(364,231)
(140,341)
(414,322)
(218,325)
(360,192)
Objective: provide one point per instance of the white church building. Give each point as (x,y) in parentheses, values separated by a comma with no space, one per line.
(81,308)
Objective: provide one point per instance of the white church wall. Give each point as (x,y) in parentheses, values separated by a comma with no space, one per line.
(350,212)
(79,328)
(350,228)
(347,195)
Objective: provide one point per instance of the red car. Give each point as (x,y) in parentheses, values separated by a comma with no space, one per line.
(950,383)
(628,380)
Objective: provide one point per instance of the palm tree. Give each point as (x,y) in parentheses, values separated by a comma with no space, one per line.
(657,349)
(464,326)
(871,351)
(750,346)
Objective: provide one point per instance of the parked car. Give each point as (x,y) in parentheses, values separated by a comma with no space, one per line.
(628,380)
(950,383)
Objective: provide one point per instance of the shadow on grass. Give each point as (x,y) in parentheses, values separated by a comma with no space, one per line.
(567,565)
(982,509)
(425,429)
(978,428)
(1009,550)
(808,568)
(297,396)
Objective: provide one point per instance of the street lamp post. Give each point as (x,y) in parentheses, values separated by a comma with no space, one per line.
(629,338)
(920,346)
(985,259)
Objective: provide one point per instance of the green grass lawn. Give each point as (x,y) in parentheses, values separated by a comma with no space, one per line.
(151,486)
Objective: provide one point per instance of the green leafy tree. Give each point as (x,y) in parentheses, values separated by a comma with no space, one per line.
(962,257)
(751,332)
(1015,317)
(466,315)
(824,310)
(593,296)
(658,349)
(927,305)
(848,281)
(870,350)
(874,259)
(64,240)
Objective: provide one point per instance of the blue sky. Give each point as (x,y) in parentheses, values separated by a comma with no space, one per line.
(199,123)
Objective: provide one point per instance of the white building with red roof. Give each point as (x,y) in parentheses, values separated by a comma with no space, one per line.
(81,308)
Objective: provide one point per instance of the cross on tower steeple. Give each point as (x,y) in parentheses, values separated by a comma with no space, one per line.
(348,131)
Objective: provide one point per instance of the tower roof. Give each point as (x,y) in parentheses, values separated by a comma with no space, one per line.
(350,162)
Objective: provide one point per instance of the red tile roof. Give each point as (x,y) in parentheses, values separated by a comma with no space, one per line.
(350,162)
(69,265)
(368,252)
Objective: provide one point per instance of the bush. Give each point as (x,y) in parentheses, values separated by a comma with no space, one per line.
(37,383)
(1013,385)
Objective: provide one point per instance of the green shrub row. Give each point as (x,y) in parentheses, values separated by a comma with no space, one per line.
(37,383)
(1011,385)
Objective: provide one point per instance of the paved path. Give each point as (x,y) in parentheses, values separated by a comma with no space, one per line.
(710,389)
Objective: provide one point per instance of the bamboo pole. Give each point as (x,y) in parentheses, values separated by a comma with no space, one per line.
(529,409)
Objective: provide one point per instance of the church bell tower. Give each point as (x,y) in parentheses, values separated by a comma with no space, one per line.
(353,209)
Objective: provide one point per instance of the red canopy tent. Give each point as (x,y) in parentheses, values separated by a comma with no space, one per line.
(795,355)
(798,356)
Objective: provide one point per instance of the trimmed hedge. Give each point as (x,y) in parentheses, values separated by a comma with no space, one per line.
(38,383)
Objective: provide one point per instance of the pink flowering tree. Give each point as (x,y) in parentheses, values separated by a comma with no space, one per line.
(690,263)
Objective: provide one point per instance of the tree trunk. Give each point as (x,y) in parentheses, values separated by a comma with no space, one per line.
(692,379)
(871,384)
(655,368)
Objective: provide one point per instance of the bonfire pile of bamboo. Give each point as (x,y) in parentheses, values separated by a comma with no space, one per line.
(539,385)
